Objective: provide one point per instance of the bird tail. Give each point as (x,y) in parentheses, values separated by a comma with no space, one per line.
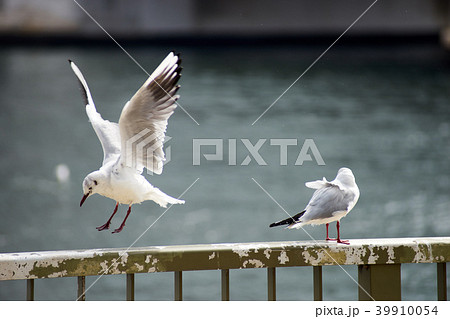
(162,199)
(289,221)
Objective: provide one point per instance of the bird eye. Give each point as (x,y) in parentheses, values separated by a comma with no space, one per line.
(95,182)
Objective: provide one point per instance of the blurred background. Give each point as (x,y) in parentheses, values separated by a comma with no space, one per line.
(377,102)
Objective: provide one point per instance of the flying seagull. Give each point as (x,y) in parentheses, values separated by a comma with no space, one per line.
(135,143)
(330,202)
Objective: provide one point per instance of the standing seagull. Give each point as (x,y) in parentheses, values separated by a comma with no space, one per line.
(142,123)
(330,202)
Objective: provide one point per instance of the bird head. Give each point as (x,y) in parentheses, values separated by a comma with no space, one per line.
(91,185)
(345,176)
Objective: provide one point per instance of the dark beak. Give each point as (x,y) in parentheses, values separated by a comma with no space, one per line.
(84,198)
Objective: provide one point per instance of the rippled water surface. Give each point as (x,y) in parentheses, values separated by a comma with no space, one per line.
(383,112)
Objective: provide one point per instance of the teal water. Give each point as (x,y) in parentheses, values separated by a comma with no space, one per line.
(383,112)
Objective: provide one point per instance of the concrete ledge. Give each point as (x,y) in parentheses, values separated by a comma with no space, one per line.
(94,262)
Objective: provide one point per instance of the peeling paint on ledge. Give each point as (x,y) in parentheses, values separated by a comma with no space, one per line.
(283,258)
(51,264)
(267,253)
(254,263)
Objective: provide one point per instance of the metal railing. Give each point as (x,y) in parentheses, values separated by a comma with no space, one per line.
(378,260)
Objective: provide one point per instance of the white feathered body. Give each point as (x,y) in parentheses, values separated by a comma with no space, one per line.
(129,187)
(143,118)
(331,201)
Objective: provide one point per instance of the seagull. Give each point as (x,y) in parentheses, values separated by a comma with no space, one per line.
(142,124)
(330,202)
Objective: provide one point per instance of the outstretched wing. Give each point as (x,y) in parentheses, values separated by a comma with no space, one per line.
(107,132)
(144,118)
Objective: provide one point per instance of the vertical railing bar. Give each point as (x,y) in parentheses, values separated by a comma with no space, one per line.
(364,283)
(178,286)
(442,281)
(81,288)
(380,282)
(30,289)
(317,283)
(271,284)
(225,285)
(130,287)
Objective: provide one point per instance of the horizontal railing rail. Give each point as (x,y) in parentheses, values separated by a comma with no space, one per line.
(378,260)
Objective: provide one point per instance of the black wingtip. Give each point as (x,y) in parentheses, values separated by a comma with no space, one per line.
(177,54)
(288,221)
(70,61)
(178,70)
(273,225)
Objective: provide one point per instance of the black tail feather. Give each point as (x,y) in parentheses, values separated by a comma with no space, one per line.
(288,221)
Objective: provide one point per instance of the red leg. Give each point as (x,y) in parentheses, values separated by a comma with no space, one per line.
(106,225)
(118,230)
(339,236)
(328,238)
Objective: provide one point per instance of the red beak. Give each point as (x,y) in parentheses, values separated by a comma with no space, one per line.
(84,198)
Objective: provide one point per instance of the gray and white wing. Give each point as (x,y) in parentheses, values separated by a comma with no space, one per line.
(107,132)
(143,121)
(327,201)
